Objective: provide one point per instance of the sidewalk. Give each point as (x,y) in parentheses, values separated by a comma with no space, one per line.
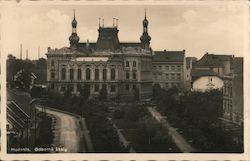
(182,144)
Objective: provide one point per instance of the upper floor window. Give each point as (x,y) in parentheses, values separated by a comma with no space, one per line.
(127,87)
(63,74)
(71,74)
(134,75)
(167,67)
(96,88)
(167,76)
(179,67)
(172,76)
(154,67)
(79,74)
(112,74)
(127,63)
(127,75)
(134,63)
(52,74)
(159,67)
(52,63)
(96,74)
(178,76)
(104,74)
(172,67)
(88,74)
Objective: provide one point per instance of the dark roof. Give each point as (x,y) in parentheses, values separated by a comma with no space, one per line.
(212,60)
(199,73)
(169,56)
(130,44)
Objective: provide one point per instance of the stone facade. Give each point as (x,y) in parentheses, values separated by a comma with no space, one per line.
(121,68)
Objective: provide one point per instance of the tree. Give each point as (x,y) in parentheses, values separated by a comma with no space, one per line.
(148,128)
(156,90)
(24,80)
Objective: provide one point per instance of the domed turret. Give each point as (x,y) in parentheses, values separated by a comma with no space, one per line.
(74,38)
(145,38)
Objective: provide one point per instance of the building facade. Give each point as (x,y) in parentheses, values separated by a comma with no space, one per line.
(120,68)
(233,93)
(169,69)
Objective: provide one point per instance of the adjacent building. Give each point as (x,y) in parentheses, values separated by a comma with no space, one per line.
(233,93)
(169,69)
(209,71)
(120,68)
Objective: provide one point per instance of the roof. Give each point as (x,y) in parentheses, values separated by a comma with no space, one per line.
(200,73)
(169,56)
(212,60)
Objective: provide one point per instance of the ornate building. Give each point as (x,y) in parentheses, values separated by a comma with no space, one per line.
(119,67)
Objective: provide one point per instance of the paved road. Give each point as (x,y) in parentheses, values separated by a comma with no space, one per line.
(67,131)
(178,139)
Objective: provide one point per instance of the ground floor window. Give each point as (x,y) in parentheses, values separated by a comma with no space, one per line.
(79,87)
(52,86)
(134,87)
(63,88)
(112,88)
(127,87)
(96,88)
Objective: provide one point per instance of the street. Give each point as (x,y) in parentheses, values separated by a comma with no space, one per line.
(182,144)
(67,130)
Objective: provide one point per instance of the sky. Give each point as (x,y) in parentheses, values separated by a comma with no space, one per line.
(198,29)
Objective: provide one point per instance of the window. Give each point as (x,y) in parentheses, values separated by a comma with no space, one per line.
(63,74)
(104,74)
(79,74)
(52,63)
(159,67)
(134,75)
(134,87)
(71,74)
(112,74)
(127,63)
(167,85)
(127,75)
(178,67)
(172,76)
(134,63)
(79,87)
(52,74)
(70,87)
(52,86)
(172,67)
(167,76)
(96,87)
(154,67)
(96,74)
(88,74)
(167,67)
(127,87)
(63,88)
(178,76)
(112,88)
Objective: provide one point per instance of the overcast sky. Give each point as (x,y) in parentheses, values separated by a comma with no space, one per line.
(198,29)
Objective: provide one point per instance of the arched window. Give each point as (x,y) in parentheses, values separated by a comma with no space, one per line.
(96,74)
(112,74)
(104,74)
(127,63)
(79,74)
(71,74)
(63,74)
(134,63)
(88,74)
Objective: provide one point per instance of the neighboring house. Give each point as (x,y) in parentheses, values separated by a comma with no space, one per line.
(209,71)
(204,80)
(233,93)
(169,69)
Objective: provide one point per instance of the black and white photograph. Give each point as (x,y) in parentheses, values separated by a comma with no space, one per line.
(144,78)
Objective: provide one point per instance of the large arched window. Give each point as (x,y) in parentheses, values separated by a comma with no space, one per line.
(63,74)
(88,74)
(79,74)
(104,74)
(71,74)
(112,74)
(96,74)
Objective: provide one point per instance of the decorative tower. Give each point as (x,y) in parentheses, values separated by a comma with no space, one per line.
(145,38)
(74,38)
